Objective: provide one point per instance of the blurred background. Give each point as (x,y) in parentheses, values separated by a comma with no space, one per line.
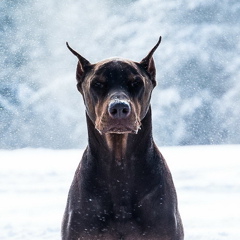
(197,100)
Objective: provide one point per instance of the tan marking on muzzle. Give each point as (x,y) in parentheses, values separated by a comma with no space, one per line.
(104,121)
(137,111)
(101,111)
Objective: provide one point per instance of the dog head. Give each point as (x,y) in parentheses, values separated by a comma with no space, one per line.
(116,92)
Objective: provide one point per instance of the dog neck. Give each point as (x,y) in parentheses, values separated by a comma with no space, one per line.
(119,147)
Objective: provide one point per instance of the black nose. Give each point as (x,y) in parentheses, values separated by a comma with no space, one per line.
(119,109)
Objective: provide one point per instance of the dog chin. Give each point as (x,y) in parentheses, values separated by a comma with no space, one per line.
(117,130)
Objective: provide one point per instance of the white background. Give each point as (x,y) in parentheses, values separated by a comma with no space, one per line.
(34,185)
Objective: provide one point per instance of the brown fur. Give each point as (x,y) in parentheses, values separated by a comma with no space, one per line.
(122,188)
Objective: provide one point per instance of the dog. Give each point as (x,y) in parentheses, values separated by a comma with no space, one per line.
(122,188)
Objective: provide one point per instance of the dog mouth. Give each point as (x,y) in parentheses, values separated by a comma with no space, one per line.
(118,128)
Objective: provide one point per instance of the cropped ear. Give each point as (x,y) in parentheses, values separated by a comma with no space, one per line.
(82,66)
(148,63)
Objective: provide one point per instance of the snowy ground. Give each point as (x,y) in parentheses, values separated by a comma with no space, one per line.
(34,185)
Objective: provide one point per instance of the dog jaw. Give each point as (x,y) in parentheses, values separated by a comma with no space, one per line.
(117,128)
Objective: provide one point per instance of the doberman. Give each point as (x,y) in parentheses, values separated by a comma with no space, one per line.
(122,188)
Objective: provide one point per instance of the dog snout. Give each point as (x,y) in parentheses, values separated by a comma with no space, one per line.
(119,109)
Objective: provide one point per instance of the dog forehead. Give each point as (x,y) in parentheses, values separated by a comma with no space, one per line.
(110,67)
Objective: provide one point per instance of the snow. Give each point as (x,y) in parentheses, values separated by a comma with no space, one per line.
(198,67)
(35,182)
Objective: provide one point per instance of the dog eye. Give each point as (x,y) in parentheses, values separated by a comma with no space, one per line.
(137,82)
(97,84)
